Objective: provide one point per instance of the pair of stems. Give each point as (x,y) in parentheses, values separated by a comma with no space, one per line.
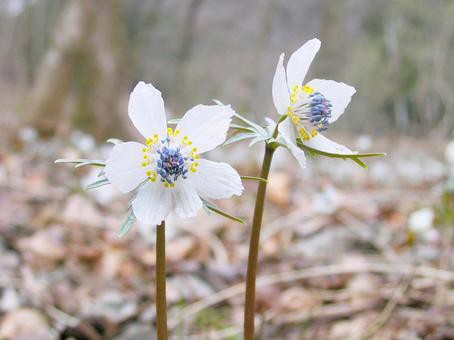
(249,309)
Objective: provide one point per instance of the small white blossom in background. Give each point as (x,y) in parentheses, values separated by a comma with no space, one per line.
(421,224)
(167,168)
(311,107)
(421,220)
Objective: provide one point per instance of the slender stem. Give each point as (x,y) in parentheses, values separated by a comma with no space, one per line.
(161,302)
(249,308)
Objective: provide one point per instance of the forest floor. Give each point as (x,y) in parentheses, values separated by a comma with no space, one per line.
(343,254)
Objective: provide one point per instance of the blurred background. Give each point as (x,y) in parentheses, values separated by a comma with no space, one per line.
(346,252)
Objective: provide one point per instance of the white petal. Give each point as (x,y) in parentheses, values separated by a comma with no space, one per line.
(206,125)
(216,180)
(322,143)
(299,62)
(186,201)
(152,203)
(281,96)
(124,166)
(146,110)
(288,133)
(270,125)
(339,94)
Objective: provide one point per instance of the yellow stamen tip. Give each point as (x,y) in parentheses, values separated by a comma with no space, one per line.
(308,89)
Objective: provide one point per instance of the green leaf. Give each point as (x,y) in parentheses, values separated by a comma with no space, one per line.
(360,163)
(82,162)
(213,208)
(98,184)
(259,139)
(356,157)
(257,127)
(242,128)
(239,137)
(253,178)
(114,141)
(130,220)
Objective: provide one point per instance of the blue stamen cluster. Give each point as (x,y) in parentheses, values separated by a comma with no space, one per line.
(171,164)
(320,111)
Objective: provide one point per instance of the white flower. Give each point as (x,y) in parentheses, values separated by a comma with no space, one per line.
(311,107)
(421,221)
(168,169)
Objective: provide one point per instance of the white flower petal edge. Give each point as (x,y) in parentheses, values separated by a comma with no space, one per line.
(123,167)
(287,132)
(216,180)
(152,204)
(299,62)
(206,125)
(186,200)
(338,93)
(146,110)
(322,143)
(281,95)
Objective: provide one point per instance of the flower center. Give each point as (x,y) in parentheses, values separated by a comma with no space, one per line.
(171,164)
(170,158)
(310,111)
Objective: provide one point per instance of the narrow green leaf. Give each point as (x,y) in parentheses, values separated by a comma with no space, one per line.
(356,157)
(97,184)
(242,128)
(82,162)
(258,139)
(253,178)
(257,127)
(360,163)
(239,137)
(218,211)
(87,163)
(130,220)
